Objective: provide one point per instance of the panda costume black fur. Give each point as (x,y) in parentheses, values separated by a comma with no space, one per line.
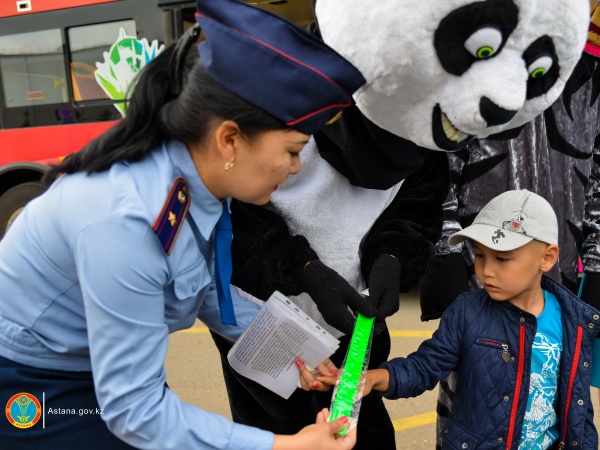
(366,209)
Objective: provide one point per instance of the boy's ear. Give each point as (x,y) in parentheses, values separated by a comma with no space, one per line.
(549,257)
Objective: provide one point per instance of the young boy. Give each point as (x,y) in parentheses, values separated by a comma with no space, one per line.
(522,345)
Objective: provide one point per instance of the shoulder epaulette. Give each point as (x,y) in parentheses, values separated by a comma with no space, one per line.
(168,223)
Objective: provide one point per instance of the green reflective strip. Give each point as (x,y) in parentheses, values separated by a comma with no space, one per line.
(353,367)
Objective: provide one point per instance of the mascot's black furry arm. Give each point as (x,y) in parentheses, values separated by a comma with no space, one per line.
(410,226)
(260,267)
(364,211)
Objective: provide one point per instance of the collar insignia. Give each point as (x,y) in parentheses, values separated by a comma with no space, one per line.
(168,223)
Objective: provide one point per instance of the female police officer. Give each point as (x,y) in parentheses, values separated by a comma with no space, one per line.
(118,252)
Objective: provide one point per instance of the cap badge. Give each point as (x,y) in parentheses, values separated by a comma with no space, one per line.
(497,235)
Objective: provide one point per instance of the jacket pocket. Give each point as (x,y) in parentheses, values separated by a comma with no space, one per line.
(455,437)
(501,347)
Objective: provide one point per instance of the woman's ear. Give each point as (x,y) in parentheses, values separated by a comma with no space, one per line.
(227,136)
(549,257)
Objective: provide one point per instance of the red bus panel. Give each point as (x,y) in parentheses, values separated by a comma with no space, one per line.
(10,8)
(40,143)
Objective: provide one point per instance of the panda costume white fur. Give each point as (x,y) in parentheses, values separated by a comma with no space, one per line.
(365,210)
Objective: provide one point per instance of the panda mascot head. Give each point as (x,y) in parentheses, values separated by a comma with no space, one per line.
(440,73)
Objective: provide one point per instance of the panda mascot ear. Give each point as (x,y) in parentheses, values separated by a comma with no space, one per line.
(438,75)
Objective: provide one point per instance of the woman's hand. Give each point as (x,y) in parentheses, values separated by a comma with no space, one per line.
(319,379)
(321,436)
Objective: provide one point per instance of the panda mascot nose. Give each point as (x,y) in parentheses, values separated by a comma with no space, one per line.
(494,114)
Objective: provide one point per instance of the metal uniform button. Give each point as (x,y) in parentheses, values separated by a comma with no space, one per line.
(522,319)
(500,439)
(465,445)
(512,358)
(591,326)
(586,364)
(580,402)
(574,443)
(506,398)
(595,317)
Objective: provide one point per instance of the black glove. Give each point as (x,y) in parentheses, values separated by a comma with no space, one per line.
(591,289)
(441,284)
(384,286)
(333,295)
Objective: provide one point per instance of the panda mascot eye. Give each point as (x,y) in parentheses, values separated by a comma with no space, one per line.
(540,66)
(484,43)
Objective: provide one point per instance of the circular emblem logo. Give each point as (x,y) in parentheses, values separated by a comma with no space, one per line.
(23,410)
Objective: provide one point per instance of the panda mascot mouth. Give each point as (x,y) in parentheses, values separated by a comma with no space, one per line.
(445,135)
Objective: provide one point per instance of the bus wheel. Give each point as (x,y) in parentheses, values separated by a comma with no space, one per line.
(14,200)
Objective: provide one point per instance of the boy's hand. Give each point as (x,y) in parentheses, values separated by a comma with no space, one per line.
(368,384)
(376,380)
(322,378)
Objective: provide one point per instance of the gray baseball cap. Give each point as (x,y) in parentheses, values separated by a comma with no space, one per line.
(511,220)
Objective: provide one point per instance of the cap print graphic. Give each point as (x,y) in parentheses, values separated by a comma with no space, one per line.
(516,224)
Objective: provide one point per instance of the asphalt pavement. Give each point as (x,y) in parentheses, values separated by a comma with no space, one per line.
(194,373)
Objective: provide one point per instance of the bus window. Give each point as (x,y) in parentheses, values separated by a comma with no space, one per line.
(87,45)
(32,68)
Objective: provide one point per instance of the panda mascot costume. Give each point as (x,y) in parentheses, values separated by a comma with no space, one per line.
(365,211)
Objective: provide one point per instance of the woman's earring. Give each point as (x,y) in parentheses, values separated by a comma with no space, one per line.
(228,165)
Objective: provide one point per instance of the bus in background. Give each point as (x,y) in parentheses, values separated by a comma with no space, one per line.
(65,66)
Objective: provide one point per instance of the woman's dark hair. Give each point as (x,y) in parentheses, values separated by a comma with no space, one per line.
(156,114)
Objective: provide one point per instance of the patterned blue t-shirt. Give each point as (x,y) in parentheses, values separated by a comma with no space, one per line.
(540,427)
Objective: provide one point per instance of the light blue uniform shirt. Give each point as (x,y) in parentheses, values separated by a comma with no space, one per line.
(86,286)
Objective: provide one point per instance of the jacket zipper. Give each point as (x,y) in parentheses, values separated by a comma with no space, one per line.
(505,354)
(497,344)
(515,404)
(570,386)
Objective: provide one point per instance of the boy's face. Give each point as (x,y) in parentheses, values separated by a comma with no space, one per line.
(514,275)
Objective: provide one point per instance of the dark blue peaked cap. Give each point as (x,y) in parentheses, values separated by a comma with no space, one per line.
(274,64)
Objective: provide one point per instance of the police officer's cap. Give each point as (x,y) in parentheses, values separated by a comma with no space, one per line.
(274,64)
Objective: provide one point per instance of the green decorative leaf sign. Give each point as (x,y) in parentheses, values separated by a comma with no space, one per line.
(127,56)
